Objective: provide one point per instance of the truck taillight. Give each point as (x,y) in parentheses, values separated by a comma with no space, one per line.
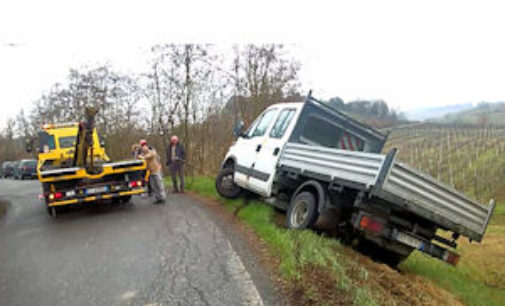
(371,224)
(136,184)
(451,257)
(55,196)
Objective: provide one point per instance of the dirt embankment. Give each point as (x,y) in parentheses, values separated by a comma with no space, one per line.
(317,286)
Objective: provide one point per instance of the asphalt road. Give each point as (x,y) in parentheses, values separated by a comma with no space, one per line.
(136,254)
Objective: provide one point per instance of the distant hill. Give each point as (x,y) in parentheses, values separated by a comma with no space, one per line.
(482,114)
(424,113)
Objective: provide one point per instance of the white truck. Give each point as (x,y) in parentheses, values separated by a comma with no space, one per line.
(307,158)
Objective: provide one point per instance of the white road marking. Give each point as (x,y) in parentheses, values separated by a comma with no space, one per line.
(129,295)
(243,279)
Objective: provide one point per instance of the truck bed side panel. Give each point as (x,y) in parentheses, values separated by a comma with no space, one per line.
(356,167)
(444,201)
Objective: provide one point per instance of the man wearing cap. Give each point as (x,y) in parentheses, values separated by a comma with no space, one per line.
(154,166)
(175,160)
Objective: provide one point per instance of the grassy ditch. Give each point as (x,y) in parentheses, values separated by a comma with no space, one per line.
(319,270)
(479,279)
(300,252)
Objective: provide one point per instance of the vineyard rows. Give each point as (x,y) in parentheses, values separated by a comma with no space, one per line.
(469,158)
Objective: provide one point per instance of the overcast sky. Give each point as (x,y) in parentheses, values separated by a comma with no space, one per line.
(411,55)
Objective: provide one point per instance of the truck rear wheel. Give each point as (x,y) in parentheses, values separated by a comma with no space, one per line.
(302,212)
(225,185)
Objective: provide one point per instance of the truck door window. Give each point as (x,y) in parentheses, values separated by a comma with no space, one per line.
(260,127)
(319,131)
(282,123)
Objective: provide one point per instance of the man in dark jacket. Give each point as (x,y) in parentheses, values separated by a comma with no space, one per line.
(175,161)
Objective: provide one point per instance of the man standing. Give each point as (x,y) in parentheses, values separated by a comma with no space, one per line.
(175,160)
(154,166)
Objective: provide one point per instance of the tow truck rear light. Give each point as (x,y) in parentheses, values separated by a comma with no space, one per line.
(136,184)
(451,257)
(70,193)
(55,196)
(371,224)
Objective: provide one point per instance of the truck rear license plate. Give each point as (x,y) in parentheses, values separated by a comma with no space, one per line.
(409,240)
(96,190)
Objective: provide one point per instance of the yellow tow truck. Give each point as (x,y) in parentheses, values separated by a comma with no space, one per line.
(74,168)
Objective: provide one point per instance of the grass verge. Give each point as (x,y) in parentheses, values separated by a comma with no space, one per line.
(479,278)
(300,252)
(319,270)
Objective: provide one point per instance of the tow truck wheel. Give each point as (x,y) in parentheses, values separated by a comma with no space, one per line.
(125,199)
(225,185)
(302,212)
(52,211)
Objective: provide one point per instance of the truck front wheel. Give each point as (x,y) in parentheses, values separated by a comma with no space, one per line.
(302,212)
(225,185)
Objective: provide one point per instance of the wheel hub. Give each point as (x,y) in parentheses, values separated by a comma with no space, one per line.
(300,213)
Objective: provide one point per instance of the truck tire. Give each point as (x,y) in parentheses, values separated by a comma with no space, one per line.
(52,211)
(126,199)
(225,185)
(302,212)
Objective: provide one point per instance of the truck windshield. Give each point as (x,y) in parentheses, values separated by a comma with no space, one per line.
(46,140)
(67,142)
(261,125)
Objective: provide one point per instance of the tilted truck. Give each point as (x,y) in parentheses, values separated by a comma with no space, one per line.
(307,158)
(74,168)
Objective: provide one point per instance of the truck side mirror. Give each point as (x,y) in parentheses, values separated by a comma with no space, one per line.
(238,131)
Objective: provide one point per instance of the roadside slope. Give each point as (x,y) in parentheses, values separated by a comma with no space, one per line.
(315,269)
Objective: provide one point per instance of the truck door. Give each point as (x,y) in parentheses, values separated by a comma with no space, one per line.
(248,146)
(269,150)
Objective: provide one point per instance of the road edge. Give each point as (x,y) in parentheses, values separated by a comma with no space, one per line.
(251,250)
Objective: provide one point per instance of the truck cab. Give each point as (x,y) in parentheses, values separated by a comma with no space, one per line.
(56,145)
(256,152)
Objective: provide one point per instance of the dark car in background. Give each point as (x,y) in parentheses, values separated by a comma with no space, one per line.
(25,168)
(7,168)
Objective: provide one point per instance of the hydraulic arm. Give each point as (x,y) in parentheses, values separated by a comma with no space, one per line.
(84,141)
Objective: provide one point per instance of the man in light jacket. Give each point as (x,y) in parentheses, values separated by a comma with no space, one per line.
(175,161)
(155,177)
